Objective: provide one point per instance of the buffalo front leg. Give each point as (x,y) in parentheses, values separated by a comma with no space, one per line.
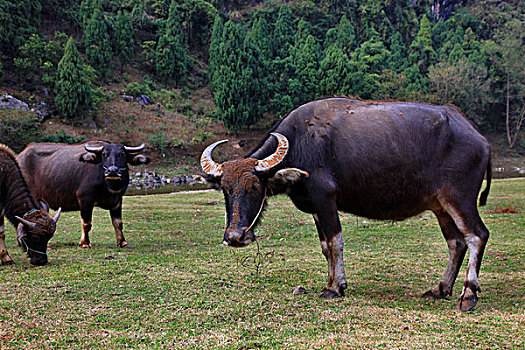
(457,248)
(4,256)
(116,219)
(331,236)
(86,214)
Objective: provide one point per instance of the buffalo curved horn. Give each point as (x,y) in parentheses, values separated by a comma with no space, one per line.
(135,149)
(277,156)
(208,164)
(94,149)
(57,215)
(25,222)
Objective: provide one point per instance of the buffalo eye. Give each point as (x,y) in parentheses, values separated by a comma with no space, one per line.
(105,154)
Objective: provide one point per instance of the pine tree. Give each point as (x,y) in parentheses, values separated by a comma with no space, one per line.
(346,35)
(260,36)
(73,92)
(422,56)
(397,61)
(18,20)
(334,73)
(97,42)
(215,59)
(123,37)
(239,85)
(283,34)
(306,62)
(172,60)
(422,53)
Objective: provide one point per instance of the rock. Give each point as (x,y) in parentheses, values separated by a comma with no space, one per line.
(299,290)
(9,102)
(127,98)
(144,100)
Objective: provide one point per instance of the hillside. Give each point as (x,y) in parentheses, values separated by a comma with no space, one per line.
(225,69)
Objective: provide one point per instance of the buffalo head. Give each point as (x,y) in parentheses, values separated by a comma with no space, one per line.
(34,230)
(114,159)
(246,184)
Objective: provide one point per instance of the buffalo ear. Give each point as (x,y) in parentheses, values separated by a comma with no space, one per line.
(90,157)
(138,159)
(285,178)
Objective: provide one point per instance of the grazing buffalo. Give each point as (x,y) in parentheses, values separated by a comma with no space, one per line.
(380,160)
(33,224)
(79,177)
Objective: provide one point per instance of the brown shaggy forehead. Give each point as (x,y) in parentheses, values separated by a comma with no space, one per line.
(45,225)
(239,174)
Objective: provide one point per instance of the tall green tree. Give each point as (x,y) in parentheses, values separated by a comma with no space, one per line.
(421,57)
(73,92)
(171,56)
(97,42)
(346,37)
(215,59)
(283,33)
(239,87)
(334,73)
(18,20)
(306,62)
(123,37)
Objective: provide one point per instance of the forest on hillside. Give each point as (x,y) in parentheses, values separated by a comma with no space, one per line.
(265,57)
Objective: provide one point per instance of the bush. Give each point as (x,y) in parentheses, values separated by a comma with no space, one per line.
(61,137)
(18,128)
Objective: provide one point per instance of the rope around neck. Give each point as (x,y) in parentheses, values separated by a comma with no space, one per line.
(31,249)
(259,213)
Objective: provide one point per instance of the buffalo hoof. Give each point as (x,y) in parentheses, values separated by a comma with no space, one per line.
(8,262)
(331,294)
(125,244)
(466,303)
(85,246)
(435,293)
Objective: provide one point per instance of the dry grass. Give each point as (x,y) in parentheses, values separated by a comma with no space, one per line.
(181,289)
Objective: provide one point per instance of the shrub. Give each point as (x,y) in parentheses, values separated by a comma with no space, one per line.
(18,128)
(61,137)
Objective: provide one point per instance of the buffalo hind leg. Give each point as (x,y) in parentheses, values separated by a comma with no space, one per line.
(457,248)
(331,236)
(4,256)
(86,215)
(476,235)
(116,219)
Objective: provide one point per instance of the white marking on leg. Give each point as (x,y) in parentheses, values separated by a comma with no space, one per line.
(474,244)
(337,246)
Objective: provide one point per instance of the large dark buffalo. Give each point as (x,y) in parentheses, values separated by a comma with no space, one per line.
(33,224)
(380,160)
(79,177)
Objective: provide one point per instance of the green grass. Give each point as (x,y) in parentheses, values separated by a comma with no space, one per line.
(180,288)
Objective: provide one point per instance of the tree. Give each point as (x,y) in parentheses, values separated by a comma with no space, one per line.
(97,42)
(508,53)
(306,61)
(18,20)
(464,84)
(172,60)
(397,61)
(215,59)
(346,39)
(73,92)
(422,56)
(123,38)
(283,33)
(334,73)
(239,86)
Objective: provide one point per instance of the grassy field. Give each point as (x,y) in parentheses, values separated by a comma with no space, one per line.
(180,288)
